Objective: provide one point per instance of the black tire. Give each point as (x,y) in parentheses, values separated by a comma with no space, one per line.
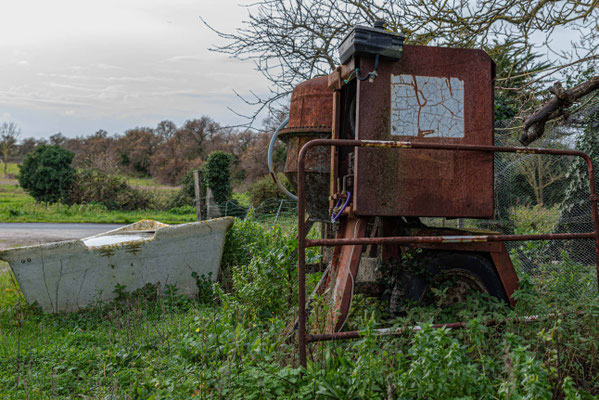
(460,272)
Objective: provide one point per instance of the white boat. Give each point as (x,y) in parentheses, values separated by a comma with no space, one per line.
(69,275)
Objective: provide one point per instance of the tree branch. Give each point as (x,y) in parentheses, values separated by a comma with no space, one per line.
(534,125)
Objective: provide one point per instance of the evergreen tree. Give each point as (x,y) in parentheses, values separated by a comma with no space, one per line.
(217,176)
(577,214)
(47,174)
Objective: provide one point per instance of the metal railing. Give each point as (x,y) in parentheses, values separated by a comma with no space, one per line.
(304,243)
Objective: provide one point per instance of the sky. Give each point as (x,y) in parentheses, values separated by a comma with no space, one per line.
(77,66)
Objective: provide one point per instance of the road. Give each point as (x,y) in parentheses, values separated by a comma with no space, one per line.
(27,234)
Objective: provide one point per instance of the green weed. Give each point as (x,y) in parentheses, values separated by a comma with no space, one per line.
(231,342)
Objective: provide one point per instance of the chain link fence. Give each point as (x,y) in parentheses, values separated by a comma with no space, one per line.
(271,211)
(535,194)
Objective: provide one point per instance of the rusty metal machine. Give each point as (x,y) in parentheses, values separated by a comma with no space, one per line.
(394,134)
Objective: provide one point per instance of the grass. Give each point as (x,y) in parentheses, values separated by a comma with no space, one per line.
(90,213)
(96,354)
(11,195)
(232,345)
(12,170)
(18,206)
(148,183)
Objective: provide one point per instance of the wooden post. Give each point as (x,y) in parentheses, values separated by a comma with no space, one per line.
(198,199)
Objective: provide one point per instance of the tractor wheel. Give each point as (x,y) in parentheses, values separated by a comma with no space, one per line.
(459,274)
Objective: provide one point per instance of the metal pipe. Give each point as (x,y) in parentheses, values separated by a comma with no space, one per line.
(326,337)
(446,239)
(271,168)
(301,256)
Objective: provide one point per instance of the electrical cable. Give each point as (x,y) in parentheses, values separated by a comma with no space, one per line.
(371,75)
(333,216)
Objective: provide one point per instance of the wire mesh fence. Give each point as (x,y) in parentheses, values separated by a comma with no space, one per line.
(271,211)
(538,194)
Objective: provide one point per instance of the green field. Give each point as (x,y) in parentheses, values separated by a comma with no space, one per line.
(18,206)
(12,170)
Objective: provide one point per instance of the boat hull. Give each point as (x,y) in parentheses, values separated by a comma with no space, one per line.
(70,275)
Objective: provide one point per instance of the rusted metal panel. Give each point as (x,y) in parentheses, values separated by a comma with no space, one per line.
(343,273)
(431,95)
(311,106)
(310,117)
(506,272)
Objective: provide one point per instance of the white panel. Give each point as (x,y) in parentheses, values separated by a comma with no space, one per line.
(427,106)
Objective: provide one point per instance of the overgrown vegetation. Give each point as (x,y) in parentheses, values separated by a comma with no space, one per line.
(265,189)
(232,343)
(111,191)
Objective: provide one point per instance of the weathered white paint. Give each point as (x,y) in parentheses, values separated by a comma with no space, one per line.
(66,276)
(427,106)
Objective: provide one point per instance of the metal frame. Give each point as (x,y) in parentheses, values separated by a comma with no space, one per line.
(304,243)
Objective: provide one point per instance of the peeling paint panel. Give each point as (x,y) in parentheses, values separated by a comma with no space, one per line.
(427,106)
(431,95)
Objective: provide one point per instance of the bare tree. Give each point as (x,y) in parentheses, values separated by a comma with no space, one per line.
(294,40)
(540,173)
(9,135)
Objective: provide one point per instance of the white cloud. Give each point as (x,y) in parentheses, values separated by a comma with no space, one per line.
(106,63)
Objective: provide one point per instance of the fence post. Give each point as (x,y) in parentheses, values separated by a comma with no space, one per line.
(278,211)
(197,189)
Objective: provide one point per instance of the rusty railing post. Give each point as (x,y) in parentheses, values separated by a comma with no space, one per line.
(594,199)
(301,256)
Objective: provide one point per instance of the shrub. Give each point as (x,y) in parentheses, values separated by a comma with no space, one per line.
(95,186)
(47,174)
(533,220)
(265,188)
(185,196)
(217,176)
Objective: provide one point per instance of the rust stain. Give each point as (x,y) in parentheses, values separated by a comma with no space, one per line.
(386,144)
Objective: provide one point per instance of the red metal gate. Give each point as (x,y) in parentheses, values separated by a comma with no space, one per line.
(304,243)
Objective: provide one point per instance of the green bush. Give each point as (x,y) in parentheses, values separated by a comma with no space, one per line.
(217,176)
(265,189)
(531,221)
(186,195)
(112,191)
(46,174)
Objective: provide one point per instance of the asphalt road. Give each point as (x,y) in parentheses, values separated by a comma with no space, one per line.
(28,234)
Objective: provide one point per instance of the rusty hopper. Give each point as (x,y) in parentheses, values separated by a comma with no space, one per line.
(310,117)
(66,276)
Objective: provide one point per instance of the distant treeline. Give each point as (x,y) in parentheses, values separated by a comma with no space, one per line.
(165,152)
